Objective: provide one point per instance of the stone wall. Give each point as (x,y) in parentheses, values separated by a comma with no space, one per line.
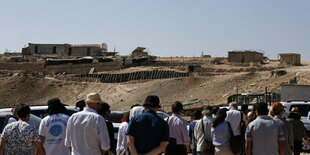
(140,75)
(29,66)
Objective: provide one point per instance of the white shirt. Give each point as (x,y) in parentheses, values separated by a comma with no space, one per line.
(87,133)
(233,117)
(178,129)
(53,128)
(201,135)
(122,139)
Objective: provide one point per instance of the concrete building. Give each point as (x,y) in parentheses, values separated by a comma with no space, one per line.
(290,58)
(245,56)
(64,49)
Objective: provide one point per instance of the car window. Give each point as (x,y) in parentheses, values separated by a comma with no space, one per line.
(115,117)
(303,109)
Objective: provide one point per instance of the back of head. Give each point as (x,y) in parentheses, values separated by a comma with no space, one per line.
(196,114)
(81,104)
(294,115)
(207,111)
(151,101)
(261,108)
(233,105)
(55,107)
(177,107)
(104,109)
(220,117)
(126,116)
(22,110)
(244,107)
(135,111)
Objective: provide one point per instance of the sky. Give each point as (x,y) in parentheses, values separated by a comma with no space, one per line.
(167,28)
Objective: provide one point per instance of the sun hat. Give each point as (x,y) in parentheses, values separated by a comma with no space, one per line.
(277,107)
(152,100)
(93,98)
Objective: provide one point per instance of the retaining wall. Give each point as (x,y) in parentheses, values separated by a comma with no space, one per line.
(140,75)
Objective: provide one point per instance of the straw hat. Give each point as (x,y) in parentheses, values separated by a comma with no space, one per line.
(93,98)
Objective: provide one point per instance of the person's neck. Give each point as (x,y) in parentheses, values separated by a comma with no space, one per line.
(22,120)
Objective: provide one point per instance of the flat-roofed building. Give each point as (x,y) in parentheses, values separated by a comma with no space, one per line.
(290,58)
(245,56)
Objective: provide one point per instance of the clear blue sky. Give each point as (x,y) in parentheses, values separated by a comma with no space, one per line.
(167,28)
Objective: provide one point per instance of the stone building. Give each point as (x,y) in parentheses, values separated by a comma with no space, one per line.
(245,56)
(64,49)
(290,58)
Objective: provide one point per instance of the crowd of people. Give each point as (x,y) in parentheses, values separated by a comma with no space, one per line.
(212,131)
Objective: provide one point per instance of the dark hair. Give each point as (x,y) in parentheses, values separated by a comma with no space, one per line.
(22,110)
(177,107)
(261,108)
(215,110)
(294,115)
(196,114)
(126,116)
(220,117)
(55,107)
(244,107)
(81,104)
(104,109)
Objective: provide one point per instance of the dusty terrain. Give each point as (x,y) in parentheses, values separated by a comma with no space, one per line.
(211,88)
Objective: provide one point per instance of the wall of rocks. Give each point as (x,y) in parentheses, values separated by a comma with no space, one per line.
(29,66)
(140,75)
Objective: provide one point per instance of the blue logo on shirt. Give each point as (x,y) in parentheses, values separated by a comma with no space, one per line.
(56,130)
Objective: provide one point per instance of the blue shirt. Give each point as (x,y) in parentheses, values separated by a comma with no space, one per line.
(148,130)
(191,129)
(220,134)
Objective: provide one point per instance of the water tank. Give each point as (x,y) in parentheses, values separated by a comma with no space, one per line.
(104,47)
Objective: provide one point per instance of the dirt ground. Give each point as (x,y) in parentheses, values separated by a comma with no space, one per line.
(212,88)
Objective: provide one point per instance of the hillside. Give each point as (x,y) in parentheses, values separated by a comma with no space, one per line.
(212,88)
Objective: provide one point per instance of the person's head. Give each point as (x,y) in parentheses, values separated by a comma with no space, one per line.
(220,117)
(135,105)
(104,109)
(93,101)
(294,115)
(207,111)
(196,114)
(277,109)
(152,102)
(126,117)
(233,105)
(54,106)
(135,111)
(245,109)
(22,112)
(177,107)
(261,108)
(80,104)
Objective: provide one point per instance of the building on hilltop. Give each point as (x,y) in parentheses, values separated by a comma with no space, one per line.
(290,58)
(245,56)
(139,51)
(65,49)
